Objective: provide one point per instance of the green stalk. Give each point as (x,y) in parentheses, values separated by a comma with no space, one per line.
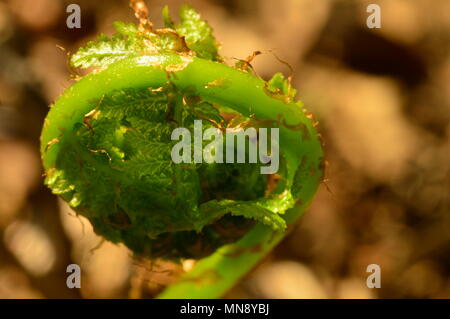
(213,276)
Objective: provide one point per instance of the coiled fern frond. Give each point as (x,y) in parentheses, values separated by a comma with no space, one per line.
(107,141)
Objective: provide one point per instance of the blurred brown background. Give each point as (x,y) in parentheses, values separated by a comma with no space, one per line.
(383,101)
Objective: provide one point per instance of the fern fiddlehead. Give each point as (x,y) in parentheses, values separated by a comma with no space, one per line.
(106,148)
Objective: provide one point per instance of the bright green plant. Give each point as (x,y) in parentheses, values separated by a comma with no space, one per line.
(106,146)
